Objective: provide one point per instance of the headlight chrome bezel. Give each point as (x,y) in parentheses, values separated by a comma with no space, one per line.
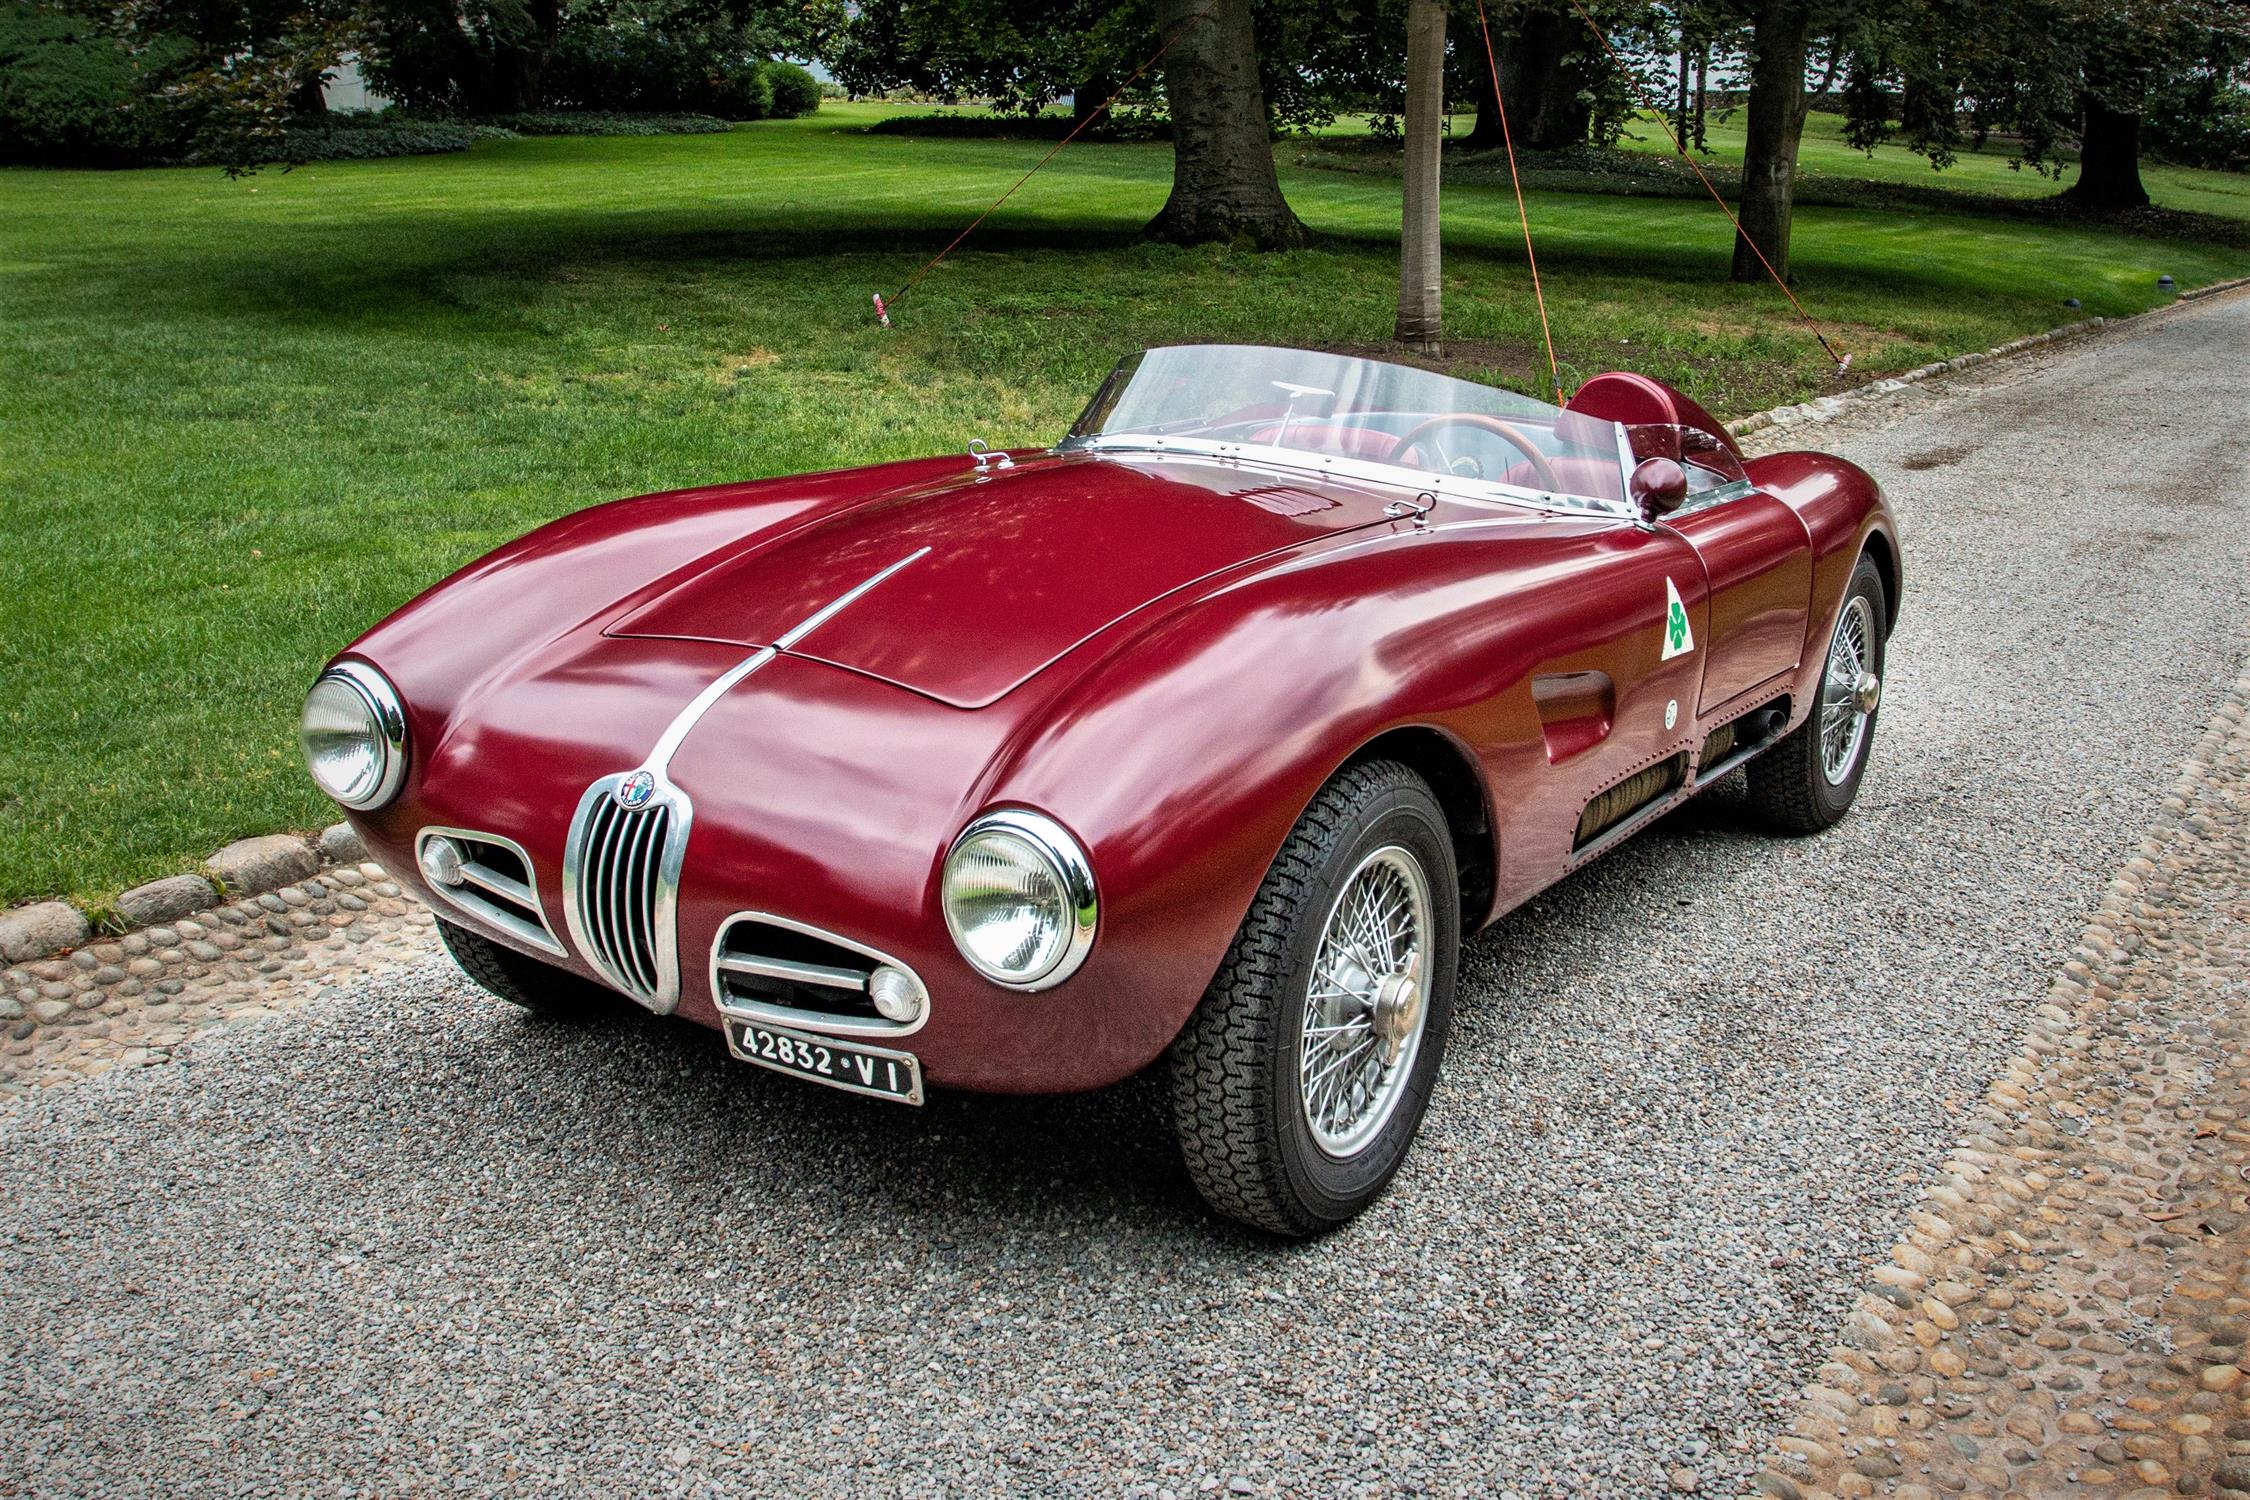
(386,714)
(1072,871)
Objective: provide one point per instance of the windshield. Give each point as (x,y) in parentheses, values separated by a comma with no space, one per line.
(1357,418)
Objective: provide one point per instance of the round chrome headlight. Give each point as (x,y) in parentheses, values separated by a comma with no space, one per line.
(1019,899)
(353,732)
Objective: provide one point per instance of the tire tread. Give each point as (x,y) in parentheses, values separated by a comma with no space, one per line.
(1784,783)
(1224,1119)
(521,980)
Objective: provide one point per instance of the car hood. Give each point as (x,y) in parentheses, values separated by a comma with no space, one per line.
(1021,564)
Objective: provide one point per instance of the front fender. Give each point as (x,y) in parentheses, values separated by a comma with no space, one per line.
(1184,753)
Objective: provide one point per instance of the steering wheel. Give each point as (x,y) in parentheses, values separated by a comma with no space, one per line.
(1423,431)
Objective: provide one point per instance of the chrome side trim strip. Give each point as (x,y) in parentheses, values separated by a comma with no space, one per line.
(806,1020)
(540,937)
(1610,838)
(1733,759)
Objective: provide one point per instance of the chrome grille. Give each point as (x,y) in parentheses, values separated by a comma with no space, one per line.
(620,880)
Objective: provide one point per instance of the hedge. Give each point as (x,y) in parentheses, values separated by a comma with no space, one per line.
(604,122)
(72,95)
(346,138)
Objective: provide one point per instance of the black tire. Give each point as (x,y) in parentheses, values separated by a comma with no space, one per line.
(525,981)
(1236,1100)
(1790,790)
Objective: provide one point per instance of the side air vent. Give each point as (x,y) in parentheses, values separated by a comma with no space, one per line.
(770,969)
(1716,744)
(488,878)
(1629,797)
(621,877)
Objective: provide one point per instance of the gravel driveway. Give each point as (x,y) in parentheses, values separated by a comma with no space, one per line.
(408,1241)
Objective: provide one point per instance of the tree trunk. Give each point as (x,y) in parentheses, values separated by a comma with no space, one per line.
(1544,84)
(1702,94)
(2109,159)
(1089,96)
(519,62)
(1774,124)
(1421,319)
(310,96)
(1486,132)
(1680,113)
(1223,182)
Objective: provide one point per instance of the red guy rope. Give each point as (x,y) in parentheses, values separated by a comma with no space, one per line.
(1843,361)
(1554,376)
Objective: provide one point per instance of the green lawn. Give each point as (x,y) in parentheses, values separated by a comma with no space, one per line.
(244,419)
(1824,152)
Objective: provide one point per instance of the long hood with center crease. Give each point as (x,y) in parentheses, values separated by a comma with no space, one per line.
(1023,564)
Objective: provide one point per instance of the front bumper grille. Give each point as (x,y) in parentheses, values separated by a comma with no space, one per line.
(496,887)
(621,881)
(783,973)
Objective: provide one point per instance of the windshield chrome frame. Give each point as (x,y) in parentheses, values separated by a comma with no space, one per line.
(1394,476)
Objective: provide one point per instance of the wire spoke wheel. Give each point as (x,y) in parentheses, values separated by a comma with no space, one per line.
(1364,1002)
(1847,690)
(1810,779)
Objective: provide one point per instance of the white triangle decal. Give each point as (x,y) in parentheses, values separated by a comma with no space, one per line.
(1679,640)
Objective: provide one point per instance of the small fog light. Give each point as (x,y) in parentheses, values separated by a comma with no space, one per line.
(897,997)
(441,861)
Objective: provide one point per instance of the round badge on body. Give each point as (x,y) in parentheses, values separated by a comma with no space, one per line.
(634,792)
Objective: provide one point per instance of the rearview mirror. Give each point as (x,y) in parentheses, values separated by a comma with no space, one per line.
(1659,487)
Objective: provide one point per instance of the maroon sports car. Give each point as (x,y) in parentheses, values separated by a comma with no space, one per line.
(1206,734)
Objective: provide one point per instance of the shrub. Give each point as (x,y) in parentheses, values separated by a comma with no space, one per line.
(980,125)
(346,137)
(742,94)
(795,91)
(603,122)
(2200,123)
(657,69)
(73,95)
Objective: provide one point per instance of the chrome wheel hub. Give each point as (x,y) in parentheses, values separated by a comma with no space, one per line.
(1849,690)
(1365,1002)
(1398,1013)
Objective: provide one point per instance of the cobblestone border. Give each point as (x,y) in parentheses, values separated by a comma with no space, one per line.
(2068,1309)
(246,867)
(129,1001)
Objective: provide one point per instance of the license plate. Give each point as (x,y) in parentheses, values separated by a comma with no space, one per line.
(824,1059)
